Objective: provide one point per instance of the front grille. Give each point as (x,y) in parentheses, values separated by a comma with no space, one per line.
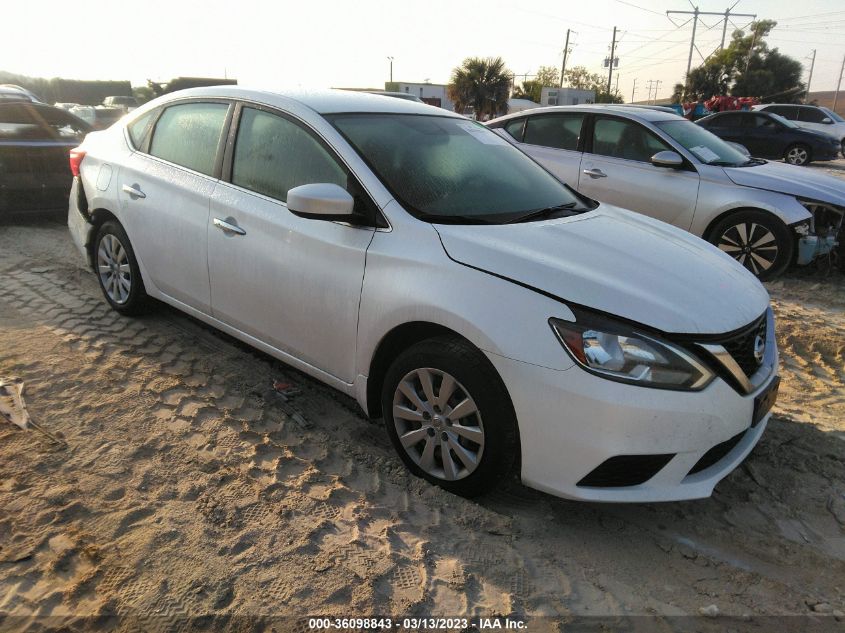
(716,454)
(625,470)
(741,346)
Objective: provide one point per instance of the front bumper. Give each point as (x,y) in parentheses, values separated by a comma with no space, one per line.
(571,422)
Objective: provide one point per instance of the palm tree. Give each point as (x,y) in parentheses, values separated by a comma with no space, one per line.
(481,84)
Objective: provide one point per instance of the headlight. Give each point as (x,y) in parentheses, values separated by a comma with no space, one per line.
(617,351)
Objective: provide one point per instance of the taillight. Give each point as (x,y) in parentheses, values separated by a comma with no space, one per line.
(76,156)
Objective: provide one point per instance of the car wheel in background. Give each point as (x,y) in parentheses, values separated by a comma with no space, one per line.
(797,154)
(758,240)
(117,270)
(449,417)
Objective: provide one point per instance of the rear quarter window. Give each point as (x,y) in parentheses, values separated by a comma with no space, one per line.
(140,128)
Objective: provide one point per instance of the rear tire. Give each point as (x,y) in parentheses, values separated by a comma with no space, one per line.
(758,240)
(117,270)
(449,417)
(798,154)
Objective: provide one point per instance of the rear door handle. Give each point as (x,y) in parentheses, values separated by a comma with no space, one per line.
(228,227)
(595,173)
(134,191)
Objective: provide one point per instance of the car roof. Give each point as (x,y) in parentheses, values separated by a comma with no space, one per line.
(321,101)
(640,114)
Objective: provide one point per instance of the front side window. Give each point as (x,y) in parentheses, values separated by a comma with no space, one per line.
(189,134)
(449,169)
(620,138)
(812,115)
(560,131)
(706,146)
(273,155)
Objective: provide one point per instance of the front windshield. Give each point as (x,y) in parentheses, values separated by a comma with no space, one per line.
(448,169)
(835,117)
(706,146)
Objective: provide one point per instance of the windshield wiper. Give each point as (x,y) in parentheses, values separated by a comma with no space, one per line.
(538,213)
(455,219)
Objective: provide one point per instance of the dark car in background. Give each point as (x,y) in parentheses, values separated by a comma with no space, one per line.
(34,143)
(768,135)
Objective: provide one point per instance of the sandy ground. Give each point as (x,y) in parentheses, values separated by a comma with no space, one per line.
(192,497)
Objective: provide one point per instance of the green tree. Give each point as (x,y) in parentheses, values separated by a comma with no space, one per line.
(748,67)
(143,93)
(547,77)
(481,84)
(579,77)
(530,89)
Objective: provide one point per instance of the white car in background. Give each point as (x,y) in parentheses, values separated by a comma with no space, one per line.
(421,264)
(811,117)
(765,215)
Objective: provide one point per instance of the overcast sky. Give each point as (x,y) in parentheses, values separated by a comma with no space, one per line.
(346,43)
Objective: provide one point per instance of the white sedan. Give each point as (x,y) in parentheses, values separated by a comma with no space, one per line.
(418,262)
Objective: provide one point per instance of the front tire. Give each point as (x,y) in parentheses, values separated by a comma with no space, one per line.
(757,240)
(117,270)
(449,417)
(797,154)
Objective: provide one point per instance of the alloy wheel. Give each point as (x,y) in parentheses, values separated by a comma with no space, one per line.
(438,423)
(113,269)
(797,156)
(751,244)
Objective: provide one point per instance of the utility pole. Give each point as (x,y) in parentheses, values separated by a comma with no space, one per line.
(391,69)
(650,84)
(838,83)
(810,78)
(565,53)
(695,13)
(634,90)
(610,65)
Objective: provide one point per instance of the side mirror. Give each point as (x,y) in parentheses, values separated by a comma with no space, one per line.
(827,120)
(321,201)
(667,158)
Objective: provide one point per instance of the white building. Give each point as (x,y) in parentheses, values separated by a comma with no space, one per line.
(566,96)
(432,94)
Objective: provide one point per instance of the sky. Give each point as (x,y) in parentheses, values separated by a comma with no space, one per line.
(332,43)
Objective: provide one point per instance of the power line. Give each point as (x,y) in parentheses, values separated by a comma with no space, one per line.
(695,13)
(636,6)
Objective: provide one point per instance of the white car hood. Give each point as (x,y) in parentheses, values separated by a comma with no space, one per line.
(621,263)
(792,180)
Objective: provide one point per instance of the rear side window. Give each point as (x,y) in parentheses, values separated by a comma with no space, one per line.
(787,112)
(560,131)
(189,135)
(274,155)
(60,124)
(17,122)
(727,120)
(514,128)
(625,139)
(139,128)
(759,120)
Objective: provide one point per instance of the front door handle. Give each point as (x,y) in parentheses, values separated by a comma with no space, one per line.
(595,173)
(228,227)
(134,191)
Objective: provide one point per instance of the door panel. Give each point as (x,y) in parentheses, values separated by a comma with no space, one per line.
(168,227)
(617,172)
(291,282)
(666,194)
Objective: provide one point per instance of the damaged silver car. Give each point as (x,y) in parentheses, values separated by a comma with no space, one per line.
(767,215)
